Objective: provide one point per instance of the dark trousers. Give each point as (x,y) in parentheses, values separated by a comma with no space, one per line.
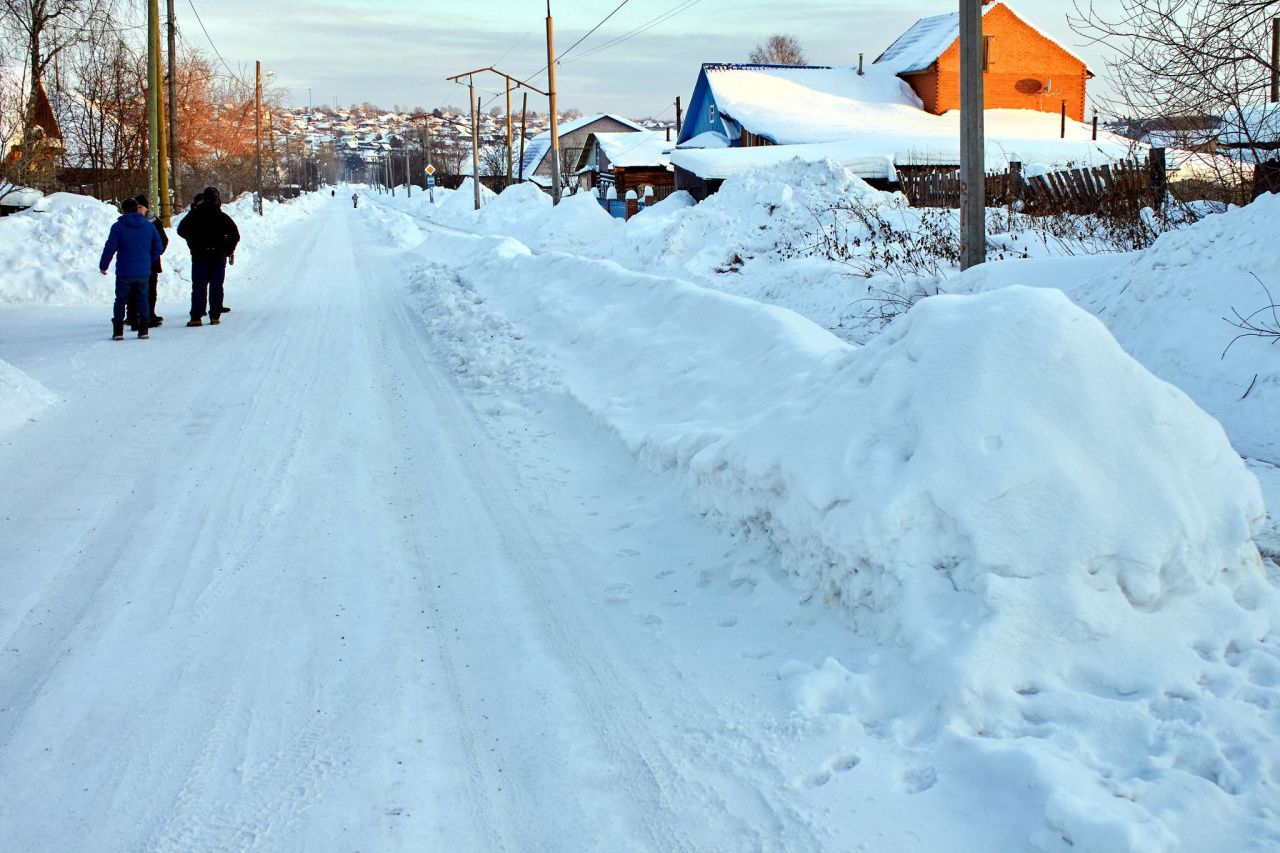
(206,285)
(132,292)
(152,287)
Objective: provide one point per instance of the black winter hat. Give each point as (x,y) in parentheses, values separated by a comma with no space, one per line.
(129,205)
(211,194)
(142,201)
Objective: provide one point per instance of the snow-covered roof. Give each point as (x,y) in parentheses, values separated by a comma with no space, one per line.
(800,104)
(928,38)
(1024,135)
(641,148)
(536,148)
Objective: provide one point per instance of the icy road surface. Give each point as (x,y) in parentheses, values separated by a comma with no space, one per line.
(275,585)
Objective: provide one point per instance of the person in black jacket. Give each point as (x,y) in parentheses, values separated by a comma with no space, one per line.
(212,237)
(156,269)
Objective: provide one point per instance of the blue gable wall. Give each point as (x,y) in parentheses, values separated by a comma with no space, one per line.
(704,114)
(697,119)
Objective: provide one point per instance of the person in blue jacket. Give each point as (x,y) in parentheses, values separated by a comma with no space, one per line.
(136,246)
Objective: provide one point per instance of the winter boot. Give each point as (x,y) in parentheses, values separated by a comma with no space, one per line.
(157,321)
(193,322)
(143,334)
(117,330)
(213,320)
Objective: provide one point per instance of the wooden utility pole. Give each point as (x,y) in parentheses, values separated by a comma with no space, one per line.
(973,236)
(510,141)
(679,117)
(475,142)
(524,114)
(175,190)
(257,134)
(408,179)
(153,100)
(555,118)
(1275,60)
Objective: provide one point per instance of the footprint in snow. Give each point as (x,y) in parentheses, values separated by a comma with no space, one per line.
(919,779)
(617,593)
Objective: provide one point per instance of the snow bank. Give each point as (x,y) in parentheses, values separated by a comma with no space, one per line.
(21,397)
(1057,543)
(1167,305)
(50,255)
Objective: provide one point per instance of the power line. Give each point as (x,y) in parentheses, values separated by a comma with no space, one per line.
(565,53)
(236,76)
(643,28)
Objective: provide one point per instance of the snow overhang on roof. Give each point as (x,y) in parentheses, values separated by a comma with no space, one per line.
(928,38)
(637,149)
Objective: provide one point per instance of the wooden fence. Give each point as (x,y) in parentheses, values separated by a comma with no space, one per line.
(1080,190)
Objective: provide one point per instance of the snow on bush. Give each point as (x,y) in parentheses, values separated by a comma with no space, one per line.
(21,397)
(1056,543)
(51,255)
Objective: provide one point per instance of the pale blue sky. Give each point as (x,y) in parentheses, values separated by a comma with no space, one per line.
(399,52)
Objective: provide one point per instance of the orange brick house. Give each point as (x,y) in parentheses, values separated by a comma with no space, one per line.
(1024,69)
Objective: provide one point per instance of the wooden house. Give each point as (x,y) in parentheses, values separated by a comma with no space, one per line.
(1023,68)
(628,161)
(536,165)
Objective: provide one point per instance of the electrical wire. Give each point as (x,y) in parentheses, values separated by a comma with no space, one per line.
(593,29)
(237,77)
(643,28)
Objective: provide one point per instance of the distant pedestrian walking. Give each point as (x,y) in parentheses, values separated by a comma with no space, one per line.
(332,193)
(212,237)
(136,247)
(355,199)
(153,286)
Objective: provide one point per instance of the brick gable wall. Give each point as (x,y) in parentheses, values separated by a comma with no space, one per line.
(1021,60)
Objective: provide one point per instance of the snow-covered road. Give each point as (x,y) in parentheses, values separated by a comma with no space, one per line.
(271,585)
(410,553)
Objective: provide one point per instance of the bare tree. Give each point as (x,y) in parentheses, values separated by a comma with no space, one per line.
(1193,74)
(778,50)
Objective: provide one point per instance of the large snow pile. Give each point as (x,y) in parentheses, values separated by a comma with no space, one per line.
(21,397)
(1056,543)
(1169,307)
(50,255)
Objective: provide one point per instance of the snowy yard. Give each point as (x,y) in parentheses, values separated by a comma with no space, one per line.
(530,530)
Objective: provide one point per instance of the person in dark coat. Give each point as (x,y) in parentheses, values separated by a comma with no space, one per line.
(212,237)
(136,246)
(152,292)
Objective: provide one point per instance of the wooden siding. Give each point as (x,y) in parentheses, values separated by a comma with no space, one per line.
(637,178)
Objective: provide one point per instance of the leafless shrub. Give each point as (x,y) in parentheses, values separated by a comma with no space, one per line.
(1262,322)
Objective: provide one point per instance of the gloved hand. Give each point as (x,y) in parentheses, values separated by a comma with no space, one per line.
(104,272)
(232,260)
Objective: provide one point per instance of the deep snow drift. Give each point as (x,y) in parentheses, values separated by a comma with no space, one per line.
(1052,545)
(1042,551)
(49,254)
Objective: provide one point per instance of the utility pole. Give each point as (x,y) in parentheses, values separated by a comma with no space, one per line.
(166,210)
(475,142)
(973,236)
(257,134)
(524,115)
(1275,60)
(408,179)
(679,117)
(555,118)
(510,165)
(153,100)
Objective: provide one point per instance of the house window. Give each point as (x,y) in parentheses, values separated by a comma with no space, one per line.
(986,52)
(711,114)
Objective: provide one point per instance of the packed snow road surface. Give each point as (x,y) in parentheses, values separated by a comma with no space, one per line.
(269,586)
(448,540)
